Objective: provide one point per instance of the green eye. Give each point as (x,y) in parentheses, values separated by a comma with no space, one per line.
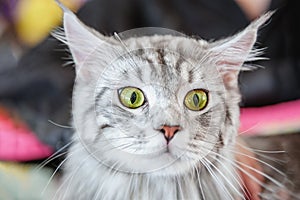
(196,99)
(131,97)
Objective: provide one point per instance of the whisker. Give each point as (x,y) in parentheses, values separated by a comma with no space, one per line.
(251,168)
(225,178)
(71,176)
(111,139)
(216,143)
(75,171)
(53,156)
(48,161)
(199,182)
(235,176)
(259,150)
(249,129)
(257,153)
(128,51)
(52,176)
(263,153)
(59,125)
(260,161)
(215,177)
(244,171)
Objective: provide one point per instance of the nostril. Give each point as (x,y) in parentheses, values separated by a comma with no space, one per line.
(176,131)
(162,131)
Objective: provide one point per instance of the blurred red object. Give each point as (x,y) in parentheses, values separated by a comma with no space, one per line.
(274,119)
(18,142)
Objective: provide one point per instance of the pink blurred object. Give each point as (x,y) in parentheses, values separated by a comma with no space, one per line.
(18,142)
(274,119)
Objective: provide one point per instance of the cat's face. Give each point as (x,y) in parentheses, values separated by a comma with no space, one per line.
(140,93)
(155,104)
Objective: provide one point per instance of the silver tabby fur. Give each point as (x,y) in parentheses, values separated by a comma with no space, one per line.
(117,152)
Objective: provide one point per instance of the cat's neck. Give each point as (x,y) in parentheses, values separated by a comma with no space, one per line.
(101,182)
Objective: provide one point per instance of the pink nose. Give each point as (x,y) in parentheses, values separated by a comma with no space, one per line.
(169,131)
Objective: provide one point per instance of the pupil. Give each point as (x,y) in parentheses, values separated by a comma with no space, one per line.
(196,99)
(133,98)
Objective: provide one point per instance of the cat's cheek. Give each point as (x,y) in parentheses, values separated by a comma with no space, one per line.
(177,147)
(88,131)
(180,140)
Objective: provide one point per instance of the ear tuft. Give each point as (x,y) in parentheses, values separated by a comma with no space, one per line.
(230,54)
(63,7)
(84,43)
(259,22)
(80,39)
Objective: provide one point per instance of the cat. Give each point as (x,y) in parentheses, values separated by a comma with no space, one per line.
(155,116)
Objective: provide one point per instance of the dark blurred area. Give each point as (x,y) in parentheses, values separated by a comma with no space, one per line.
(39,88)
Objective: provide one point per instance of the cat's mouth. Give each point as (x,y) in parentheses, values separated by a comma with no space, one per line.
(164,153)
(167,150)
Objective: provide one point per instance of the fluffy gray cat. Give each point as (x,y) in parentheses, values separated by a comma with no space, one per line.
(156,117)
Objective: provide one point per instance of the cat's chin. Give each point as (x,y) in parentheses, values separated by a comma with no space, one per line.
(172,165)
(160,164)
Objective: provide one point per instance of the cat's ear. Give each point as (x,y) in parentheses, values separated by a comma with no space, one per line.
(83,42)
(230,54)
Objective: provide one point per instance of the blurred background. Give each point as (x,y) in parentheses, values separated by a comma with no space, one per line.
(36,84)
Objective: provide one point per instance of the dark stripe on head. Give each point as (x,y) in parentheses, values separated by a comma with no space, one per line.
(152,66)
(161,55)
(178,64)
(140,54)
(191,76)
(221,140)
(139,73)
(162,62)
(100,94)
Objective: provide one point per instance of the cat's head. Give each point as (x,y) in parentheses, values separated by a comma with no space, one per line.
(157,103)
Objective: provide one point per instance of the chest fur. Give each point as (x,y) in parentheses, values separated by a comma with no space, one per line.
(87,178)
